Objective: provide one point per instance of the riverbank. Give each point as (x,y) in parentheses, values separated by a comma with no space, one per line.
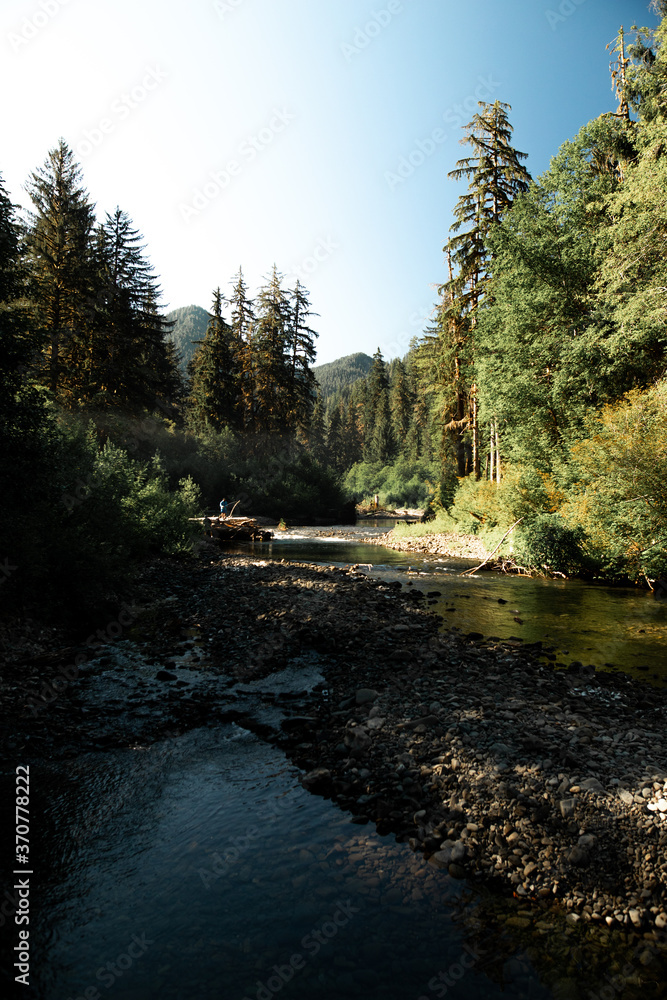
(547,784)
(449,544)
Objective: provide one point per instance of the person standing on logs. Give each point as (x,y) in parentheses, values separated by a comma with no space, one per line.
(224,508)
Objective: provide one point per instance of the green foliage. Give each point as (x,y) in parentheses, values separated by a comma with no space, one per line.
(400,483)
(301,490)
(440,524)
(214,372)
(549,544)
(76,527)
(480,505)
(618,493)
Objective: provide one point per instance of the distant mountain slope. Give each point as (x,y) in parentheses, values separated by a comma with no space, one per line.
(339,374)
(190,324)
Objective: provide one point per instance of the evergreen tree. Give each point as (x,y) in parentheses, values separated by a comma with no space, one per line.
(547,352)
(353,438)
(129,364)
(59,256)
(316,435)
(633,267)
(242,335)
(302,381)
(496,176)
(272,359)
(21,410)
(335,439)
(214,383)
(378,439)
(382,439)
(401,402)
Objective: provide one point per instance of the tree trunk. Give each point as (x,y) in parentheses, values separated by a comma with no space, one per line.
(497,455)
(475,433)
(492,451)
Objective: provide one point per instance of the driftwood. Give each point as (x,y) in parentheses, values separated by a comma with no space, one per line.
(233,529)
(469,572)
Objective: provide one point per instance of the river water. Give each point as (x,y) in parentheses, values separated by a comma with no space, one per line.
(198,867)
(620,628)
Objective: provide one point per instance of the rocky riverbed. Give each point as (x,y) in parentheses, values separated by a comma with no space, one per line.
(449,544)
(549,784)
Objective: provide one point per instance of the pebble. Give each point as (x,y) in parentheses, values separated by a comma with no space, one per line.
(450,715)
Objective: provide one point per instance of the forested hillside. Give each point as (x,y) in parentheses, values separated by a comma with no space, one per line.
(537,396)
(338,375)
(189,326)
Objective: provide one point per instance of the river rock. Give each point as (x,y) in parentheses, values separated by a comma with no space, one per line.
(592,785)
(318,780)
(364,695)
(357,738)
(165,675)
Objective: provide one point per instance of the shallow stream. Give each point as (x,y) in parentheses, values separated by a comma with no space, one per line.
(609,627)
(198,867)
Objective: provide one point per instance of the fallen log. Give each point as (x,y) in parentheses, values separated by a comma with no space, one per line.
(233,529)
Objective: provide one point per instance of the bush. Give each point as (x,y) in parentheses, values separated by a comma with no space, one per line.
(481,506)
(76,527)
(549,544)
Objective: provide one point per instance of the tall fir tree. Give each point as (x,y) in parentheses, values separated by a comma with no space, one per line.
(335,439)
(401,403)
(129,364)
(214,399)
(316,435)
(271,359)
(21,409)
(242,333)
(378,437)
(496,177)
(302,352)
(60,262)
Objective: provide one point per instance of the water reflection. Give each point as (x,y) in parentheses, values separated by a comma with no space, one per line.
(611,628)
(227,879)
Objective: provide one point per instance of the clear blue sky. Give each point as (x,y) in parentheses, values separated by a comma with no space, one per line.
(291,118)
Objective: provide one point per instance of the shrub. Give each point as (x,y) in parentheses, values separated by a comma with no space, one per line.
(547,543)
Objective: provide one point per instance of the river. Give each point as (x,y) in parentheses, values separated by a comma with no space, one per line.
(622,628)
(198,867)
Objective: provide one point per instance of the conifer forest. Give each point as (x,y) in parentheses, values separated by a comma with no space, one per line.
(537,393)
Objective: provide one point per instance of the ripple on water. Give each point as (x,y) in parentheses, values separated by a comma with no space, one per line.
(208,848)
